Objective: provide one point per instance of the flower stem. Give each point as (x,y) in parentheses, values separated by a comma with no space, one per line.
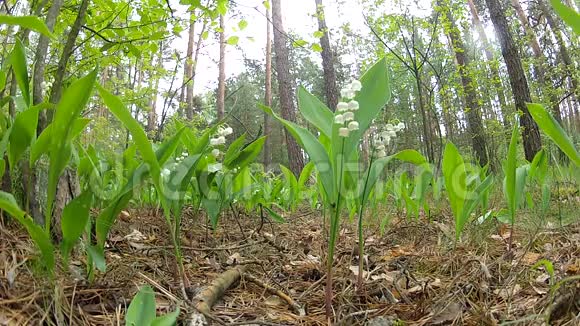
(361,244)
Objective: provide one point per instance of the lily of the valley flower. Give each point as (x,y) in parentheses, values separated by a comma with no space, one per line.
(347,93)
(353,125)
(353,105)
(348,116)
(215,152)
(341,106)
(214,167)
(339,119)
(355,85)
(343,132)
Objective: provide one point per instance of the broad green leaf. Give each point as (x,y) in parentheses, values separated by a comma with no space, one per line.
(18,62)
(168,320)
(552,128)
(376,169)
(315,150)
(568,15)
(305,174)
(23,134)
(233,40)
(477,196)
(29,22)
(292,183)
(67,111)
(2,80)
(139,136)
(212,207)
(234,150)
(455,175)
(299,43)
(275,216)
(318,34)
(40,238)
(247,155)
(242,24)
(42,143)
(315,112)
(410,156)
(73,220)
(142,309)
(315,47)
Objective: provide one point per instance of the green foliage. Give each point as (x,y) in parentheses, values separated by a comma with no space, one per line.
(568,15)
(463,197)
(552,128)
(18,62)
(29,22)
(142,311)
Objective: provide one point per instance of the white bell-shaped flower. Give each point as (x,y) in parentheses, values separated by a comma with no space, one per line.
(221,140)
(343,132)
(386,140)
(353,125)
(389,126)
(355,85)
(214,141)
(341,106)
(348,116)
(381,147)
(339,118)
(353,105)
(392,134)
(401,126)
(347,93)
(381,153)
(215,152)
(214,167)
(165,172)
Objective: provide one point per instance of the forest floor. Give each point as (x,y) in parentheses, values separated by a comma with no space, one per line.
(415,274)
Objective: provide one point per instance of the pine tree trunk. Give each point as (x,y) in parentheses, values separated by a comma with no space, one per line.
(330,88)
(493,65)
(268,93)
(471,109)
(152,117)
(519,84)
(285,91)
(221,96)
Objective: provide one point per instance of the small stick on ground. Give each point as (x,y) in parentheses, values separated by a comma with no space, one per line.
(293,304)
(212,293)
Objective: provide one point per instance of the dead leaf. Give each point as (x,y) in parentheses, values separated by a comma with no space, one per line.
(135,235)
(274,301)
(234,259)
(451,312)
(530,258)
(508,292)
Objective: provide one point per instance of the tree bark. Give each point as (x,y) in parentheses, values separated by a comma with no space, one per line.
(152,117)
(67,51)
(493,65)
(221,96)
(541,63)
(188,74)
(285,91)
(519,84)
(330,88)
(471,108)
(268,93)
(564,54)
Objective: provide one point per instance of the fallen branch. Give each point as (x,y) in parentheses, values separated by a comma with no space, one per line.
(293,304)
(212,293)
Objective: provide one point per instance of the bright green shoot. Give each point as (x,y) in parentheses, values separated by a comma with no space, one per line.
(142,311)
(463,197)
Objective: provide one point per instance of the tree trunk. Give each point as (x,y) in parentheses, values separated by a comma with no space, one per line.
(152,117)
(285,92)
(221,96)
(67,51)
(327,59)
(268,93)
(493,65)
(541,62)
(427,135)
(188,75)
(471,108)
(564,54)
(519,84)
